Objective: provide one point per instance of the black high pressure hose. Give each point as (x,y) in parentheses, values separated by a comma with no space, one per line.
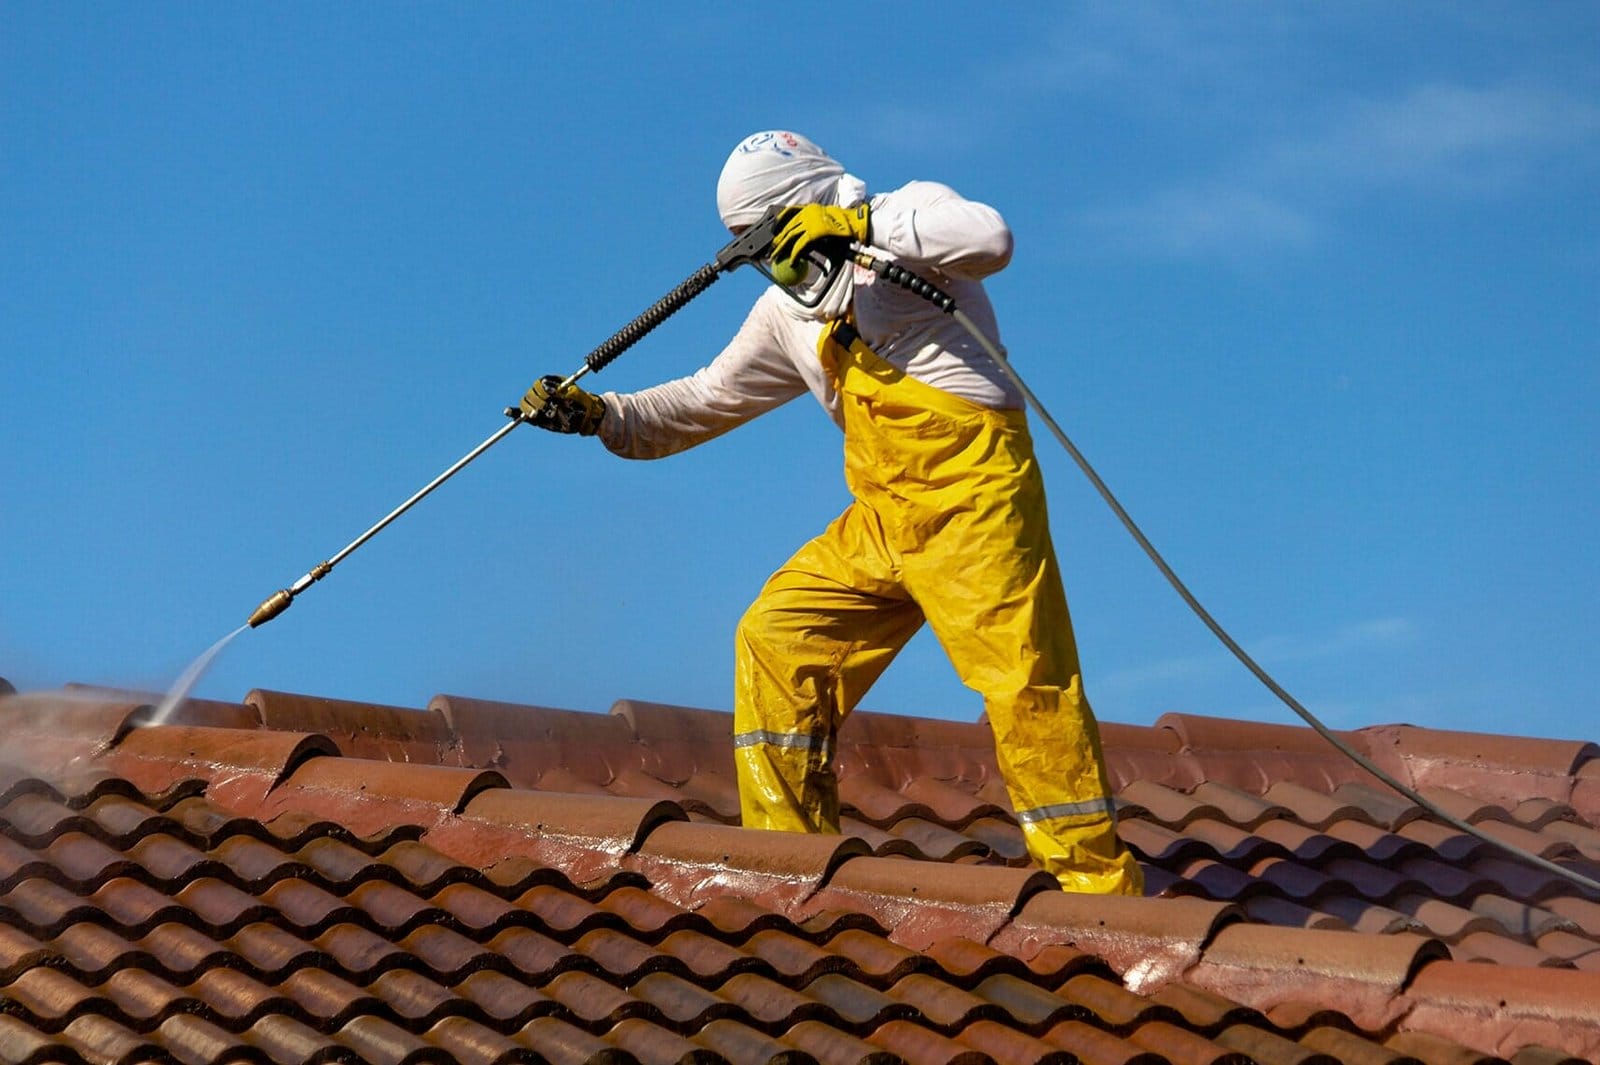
(751,248)
(654,315)
(899,275)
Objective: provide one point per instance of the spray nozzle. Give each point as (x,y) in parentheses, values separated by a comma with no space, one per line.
(271,607)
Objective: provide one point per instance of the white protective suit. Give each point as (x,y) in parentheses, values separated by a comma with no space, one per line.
(948,524)
(953,242)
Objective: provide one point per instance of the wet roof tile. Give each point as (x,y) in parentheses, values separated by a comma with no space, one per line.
(317,901)
(1362,974)
(925,901)
(1546,1005)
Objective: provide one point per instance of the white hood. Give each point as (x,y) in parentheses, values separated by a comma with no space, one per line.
(781,167)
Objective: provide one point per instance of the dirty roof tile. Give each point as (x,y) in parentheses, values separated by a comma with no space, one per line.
(683,1004)
(1095,1046)
(1519,879)
(1569,946)
(1001,836)
(794,960)
(1230,842)
(877,960)
(1367,917)
(1520,919)
(935,842)
(1158,844)
(435,915)
(271,953)
(1267,909)
(1548,1006)
(1172,808)
(1269,1048)
(1492,946)
(1583,837)
(527,952)
(707,959)
(1178,1044)
(1242,808)
(830,1046)
(941,1004)
(1003,1043)
(1379,805)
(1216,880)
(769,1004)
(920,1046)
(1025,1001)
(1112,1005)
(651,1044)
(1445,841)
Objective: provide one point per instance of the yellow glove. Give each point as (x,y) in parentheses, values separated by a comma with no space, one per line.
(805,226)
(563,410)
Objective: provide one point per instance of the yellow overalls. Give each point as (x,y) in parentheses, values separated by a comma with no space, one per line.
(948,526)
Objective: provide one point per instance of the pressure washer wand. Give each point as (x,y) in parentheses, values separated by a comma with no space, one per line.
(749,248)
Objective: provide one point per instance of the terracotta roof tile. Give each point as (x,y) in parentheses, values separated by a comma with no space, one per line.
(240,766)
(1490,946)
(1307,844)
(919,1046)
(1268,1048)
(1095,1046)
(1362,974)
(833,1047)
(1583,837)
(1158,844)
(686,860)
(1167,806)
(1149,941)
(221,888)
(925,901)
(366,730)
(1175,1044)
(1265,909)
(1007,1044)
(1313,808)
(1445,841)
(1546,1006)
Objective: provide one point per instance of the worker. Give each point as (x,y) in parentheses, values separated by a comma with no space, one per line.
(947,524)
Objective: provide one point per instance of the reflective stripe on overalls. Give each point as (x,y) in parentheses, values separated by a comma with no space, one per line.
(948,525)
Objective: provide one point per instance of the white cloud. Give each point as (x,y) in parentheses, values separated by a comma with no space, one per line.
(1373,634)
(1270,652)
(1182,222)
(1451,138)
(1438,140)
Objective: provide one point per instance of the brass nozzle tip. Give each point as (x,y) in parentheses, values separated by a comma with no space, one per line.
(271,607)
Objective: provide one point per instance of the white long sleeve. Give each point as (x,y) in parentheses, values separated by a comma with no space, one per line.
(755,373)
(951,241)
(929,224)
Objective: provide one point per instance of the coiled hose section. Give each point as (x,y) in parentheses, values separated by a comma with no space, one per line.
(654,315)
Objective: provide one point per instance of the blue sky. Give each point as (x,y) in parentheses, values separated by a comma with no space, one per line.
(1313,285)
